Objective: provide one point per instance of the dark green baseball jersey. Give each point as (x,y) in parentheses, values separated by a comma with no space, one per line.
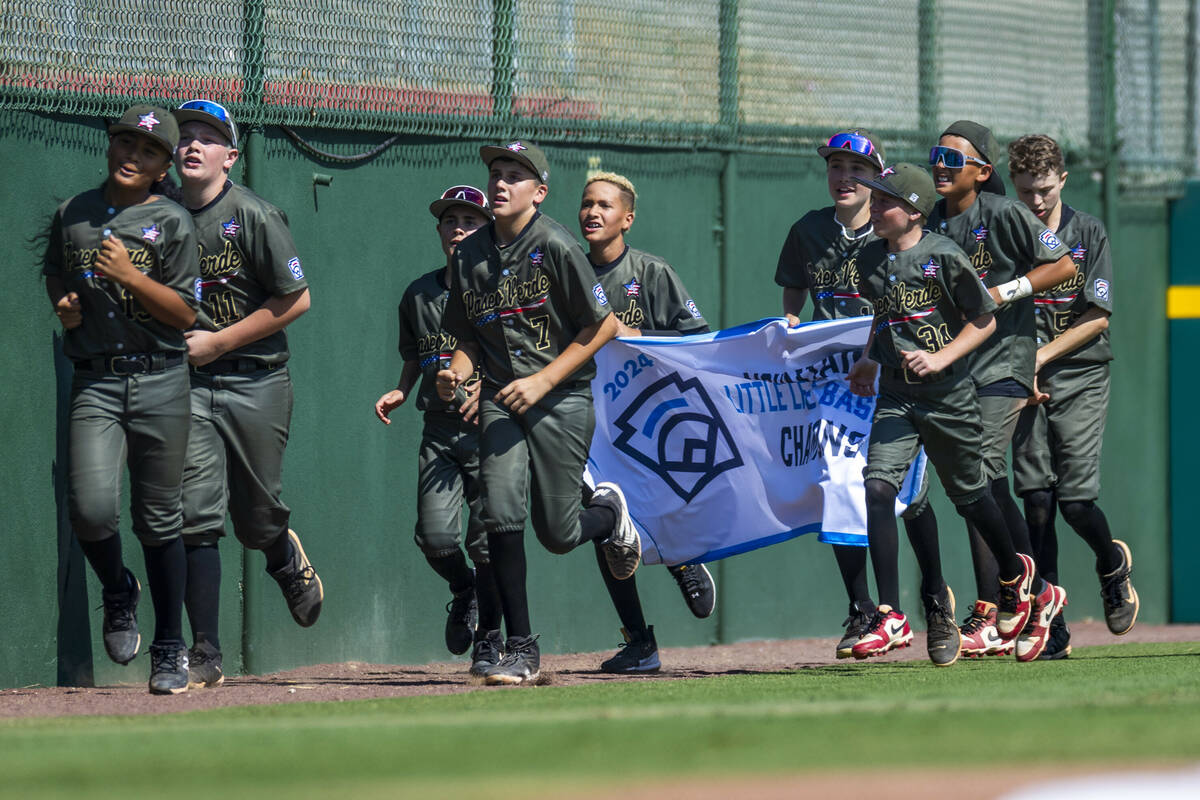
(525,302)
(645,293)
(820,255)
(1003,240)
(1057,309)
(922,296)
(247,256)
(161,242)
(422,338)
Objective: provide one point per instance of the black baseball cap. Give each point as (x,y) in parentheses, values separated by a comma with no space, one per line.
(856,142)
(150,121)
(209,113)
(908,183)
(522,151)
(461,195)
(985,143)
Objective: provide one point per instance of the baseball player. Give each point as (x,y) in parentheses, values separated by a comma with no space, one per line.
(1015,255)
(448,470)
(930,312)
(525,304)
(820,257)
(648,298)
(122,274)
(251,287)
(1056,445)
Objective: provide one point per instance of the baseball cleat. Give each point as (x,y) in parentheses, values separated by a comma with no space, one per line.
(623,548)
(888,631)
(1046,605)
(639,653)
(462,614)
(204,666)
(300,585)
(488,651)
(699,591)
(979,635)
(857,624)
(521,662)
(1058,645)
(168,668)
(943,642)
(1121,602)
(1012,611)
(121,637)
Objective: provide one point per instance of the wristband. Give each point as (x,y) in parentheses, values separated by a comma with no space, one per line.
(1015,290)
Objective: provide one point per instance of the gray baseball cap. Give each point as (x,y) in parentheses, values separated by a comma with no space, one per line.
(521,151)
(908,183)
(151,121)
(210,113)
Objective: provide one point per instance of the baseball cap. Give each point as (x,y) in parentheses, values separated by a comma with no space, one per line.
(908,183)
(521,151)
(460,196)
(985,144)
(857,142)
(209,113)
(151,121)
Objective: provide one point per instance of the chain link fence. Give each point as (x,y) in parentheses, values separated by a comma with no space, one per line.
(1109,77)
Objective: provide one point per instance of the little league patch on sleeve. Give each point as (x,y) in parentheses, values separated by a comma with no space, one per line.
(601,297)
(691,306)
(1101,287)
(294,267)
(1050,240)
(197,290)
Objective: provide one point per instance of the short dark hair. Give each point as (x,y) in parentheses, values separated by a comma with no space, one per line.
(1036,154)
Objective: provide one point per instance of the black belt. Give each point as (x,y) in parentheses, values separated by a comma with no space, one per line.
(132,364)
(231,366)
(905,375)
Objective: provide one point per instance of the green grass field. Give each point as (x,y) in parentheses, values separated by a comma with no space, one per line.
(1117,705)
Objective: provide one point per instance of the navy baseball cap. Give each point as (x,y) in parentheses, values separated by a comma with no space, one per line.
(908,183)
(985,143)
(209,113)
(462,195)
(150,121)
(523,152)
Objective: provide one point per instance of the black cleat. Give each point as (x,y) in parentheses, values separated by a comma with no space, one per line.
(488,651)
(521,662)
(1058,645)
(622,549)
(639,653)
(168,668)
(462,614)
(943,641)
(856,626)
(300,585)
(699,591)
(121,637)
(1121,602)
(204,666)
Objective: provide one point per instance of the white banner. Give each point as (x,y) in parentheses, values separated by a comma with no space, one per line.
(734,440)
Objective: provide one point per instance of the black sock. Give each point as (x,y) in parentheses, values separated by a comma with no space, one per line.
(105,558)
(922,533)
(202,597)
(986,516)
(624,596)
(884,539)
(852,563)
(506,550)
(1018,531)
(596,523)
(453,569)
(1039,516)
(166,572)
(987,571)
(1092,526)
(488,598)
(278,552)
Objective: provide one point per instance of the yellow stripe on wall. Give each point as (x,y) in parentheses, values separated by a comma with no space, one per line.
(1183,302)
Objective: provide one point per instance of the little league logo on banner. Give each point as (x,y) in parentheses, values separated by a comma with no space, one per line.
(730,441)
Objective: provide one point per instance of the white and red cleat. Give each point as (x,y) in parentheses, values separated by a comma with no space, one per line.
(888,631)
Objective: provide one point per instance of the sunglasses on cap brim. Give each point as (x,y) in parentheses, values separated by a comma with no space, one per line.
(854,142)
(208,107)
(951,158)
(467,194)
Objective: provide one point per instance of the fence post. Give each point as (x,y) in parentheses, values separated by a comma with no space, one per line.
(929,78)
(503,19)
(727,69)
